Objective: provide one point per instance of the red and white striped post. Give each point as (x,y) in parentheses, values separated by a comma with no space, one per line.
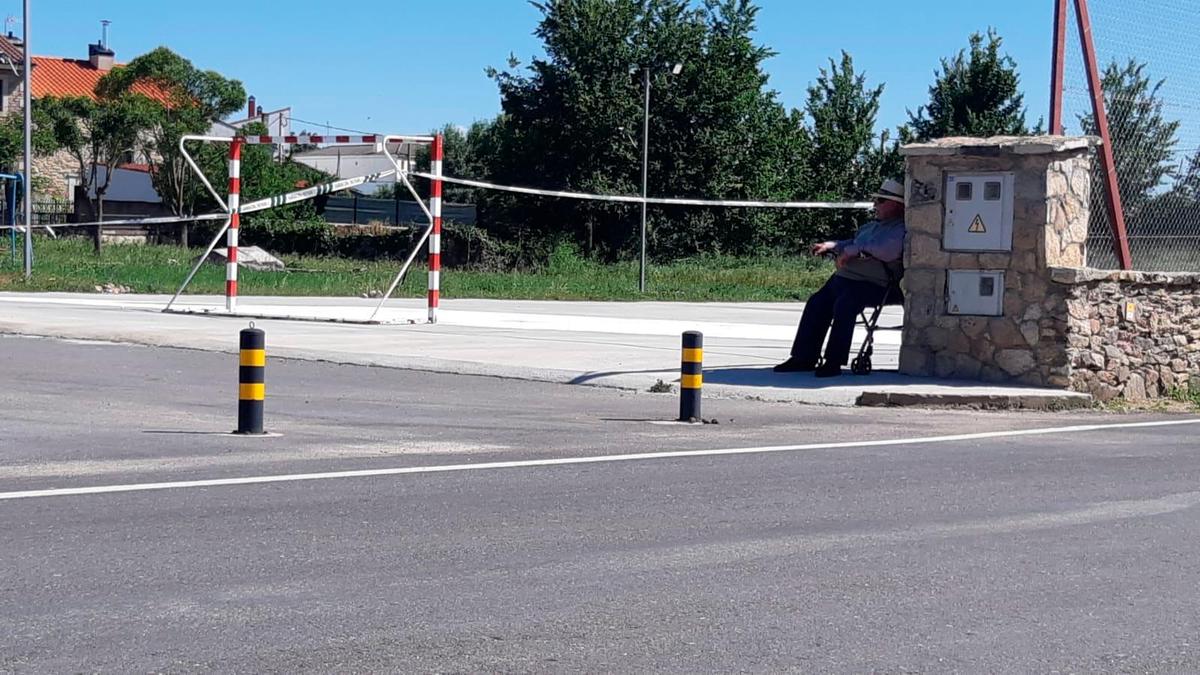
(436,155)
(235,222)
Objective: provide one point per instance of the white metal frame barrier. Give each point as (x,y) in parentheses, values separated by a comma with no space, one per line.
(233,208)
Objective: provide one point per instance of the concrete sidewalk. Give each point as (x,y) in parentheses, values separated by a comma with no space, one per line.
(626,345)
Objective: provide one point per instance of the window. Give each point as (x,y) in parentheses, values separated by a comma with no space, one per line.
(3,95)
(964,192)
(991,191)
(72,182)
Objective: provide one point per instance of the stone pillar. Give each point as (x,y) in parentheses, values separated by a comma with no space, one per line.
(1048,179)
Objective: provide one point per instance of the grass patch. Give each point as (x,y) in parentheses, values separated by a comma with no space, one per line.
(1191,398)
(69,265)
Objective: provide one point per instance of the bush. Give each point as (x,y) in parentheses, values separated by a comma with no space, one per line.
(463,246)
(311,236)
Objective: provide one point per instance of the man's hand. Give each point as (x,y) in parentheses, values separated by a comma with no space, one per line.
(823,247)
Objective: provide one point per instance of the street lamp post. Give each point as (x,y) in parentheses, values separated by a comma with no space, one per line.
(27,201)
(675,70)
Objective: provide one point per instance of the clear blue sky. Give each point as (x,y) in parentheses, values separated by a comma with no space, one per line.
(407,66)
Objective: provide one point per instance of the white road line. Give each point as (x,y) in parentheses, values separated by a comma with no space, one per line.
(602,459)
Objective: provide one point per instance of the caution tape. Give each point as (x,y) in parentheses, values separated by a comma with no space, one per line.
(628,199)
(156,220)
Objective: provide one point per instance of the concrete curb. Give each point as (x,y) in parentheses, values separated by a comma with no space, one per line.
(1051,402)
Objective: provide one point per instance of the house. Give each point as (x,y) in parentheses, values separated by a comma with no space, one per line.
(278,123)
(60,76)
(347,161)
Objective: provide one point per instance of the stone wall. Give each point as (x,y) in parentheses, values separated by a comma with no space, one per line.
(1134,335)
(1052,188)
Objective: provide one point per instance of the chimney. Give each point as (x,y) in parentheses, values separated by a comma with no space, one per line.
(99,54)
(101,57)
(252,108)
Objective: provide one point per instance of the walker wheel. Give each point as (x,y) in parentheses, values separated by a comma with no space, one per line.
(861,365)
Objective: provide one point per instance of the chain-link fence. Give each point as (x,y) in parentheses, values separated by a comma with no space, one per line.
(1148,52)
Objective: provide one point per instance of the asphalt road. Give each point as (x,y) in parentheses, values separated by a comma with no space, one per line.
(841,548)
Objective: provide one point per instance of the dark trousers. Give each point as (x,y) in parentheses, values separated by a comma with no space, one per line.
(839,302)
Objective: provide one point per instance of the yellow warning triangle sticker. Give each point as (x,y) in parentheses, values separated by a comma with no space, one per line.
(977,226)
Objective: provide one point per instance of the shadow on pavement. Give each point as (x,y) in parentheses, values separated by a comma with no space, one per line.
(765,377)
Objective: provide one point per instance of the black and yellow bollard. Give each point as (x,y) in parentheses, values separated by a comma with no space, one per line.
(252,366)
(691,376)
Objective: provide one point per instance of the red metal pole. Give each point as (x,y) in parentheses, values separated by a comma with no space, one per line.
(235,223)
(1057,65)
(1116,212)
(436,156)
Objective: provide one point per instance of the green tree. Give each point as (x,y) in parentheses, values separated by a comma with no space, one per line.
(976,93)
(1144,144)
(1143,140)
(848,159)
(573,120)
(467,155)
(194,98)
(96,133)
(12,140)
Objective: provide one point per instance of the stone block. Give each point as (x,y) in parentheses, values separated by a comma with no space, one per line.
(915,361)
(1005,334)
(1033,379)
(964,261)
(1025,261)
(921,282)
(947,322)
(1135,388)
(1014,306)
(1015,362)
(973,326)
(1114,355)
(924,219)
(945,364)
(1032,332)
(959,342)
(995,261)
(250,257)
(1167,379)
(1075,341)
(993,374)
(967,367)
(1033,288)
(983,349)
(1152,384)
(1056,182)
(935,338)
(1103,392)
(925,250)
(919,312)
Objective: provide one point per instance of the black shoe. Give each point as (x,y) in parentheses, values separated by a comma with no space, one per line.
(795,365)
(829,370)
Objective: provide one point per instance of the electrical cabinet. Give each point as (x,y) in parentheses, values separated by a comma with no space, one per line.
(979,212)
(975,292)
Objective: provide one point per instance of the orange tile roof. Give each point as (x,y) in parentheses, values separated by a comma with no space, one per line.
(56,76)
(10,50)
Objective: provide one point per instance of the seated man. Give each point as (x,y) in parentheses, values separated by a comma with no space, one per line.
(861,281)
